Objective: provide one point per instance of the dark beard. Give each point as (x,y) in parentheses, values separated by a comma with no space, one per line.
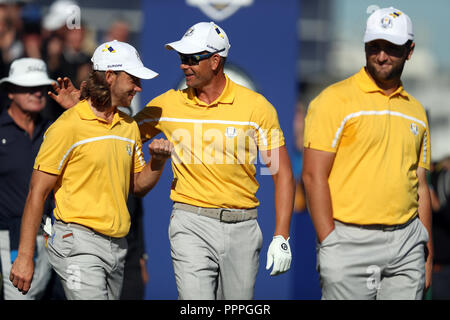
(395,73)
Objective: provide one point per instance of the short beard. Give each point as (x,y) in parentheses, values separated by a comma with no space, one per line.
(395,73)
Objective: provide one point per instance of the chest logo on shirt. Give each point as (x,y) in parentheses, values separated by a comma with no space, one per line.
(3,141)
(230,132)
(414,129)
(129,150)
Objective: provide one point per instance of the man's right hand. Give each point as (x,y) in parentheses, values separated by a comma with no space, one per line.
(22,273)
(66,94)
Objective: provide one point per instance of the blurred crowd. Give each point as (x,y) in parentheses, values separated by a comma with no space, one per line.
(56,34)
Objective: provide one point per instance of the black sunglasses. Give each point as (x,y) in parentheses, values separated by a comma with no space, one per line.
(389,48)
(19,89)
(194,59)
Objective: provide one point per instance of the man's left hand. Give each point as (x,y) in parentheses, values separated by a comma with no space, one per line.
(279,254)
(160,149)
(66,95)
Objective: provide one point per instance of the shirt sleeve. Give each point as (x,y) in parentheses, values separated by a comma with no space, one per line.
(268,131)
(425,150)
(148,119)
(139,161)
(56,148)
(323,123)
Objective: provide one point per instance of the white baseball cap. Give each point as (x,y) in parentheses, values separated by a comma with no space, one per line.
(120,56)
(389,24)
(28,72)
(59,12)
(203,36)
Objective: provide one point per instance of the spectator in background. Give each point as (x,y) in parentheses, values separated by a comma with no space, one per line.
(119,30)
(440,196)
(64,47)
(32,41)
(19,34)
(11,24)
(21,134)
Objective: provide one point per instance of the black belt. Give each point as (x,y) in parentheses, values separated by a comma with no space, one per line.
(381,227)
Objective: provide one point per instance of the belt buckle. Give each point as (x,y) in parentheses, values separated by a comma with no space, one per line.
(221,214)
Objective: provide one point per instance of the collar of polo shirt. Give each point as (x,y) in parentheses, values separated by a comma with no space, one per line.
(367,85)
(226,97)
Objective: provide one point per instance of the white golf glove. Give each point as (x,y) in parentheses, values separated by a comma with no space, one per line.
(279,254)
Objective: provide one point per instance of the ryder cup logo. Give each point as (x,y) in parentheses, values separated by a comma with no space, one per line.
(414,129)
(219,9)
(230,132)
(386,22)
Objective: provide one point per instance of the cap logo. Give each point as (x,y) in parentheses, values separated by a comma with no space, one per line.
(189,32)
(108,48)
(218,32)
(211,47)
(386,22)
(36,68)
(395,14)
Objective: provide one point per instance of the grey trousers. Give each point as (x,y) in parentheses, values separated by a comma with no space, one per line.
(42,270)
(360,264)
(89,264)
(213,259)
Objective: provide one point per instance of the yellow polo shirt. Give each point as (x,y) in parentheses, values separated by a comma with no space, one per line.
(94,162)
(216,145)
(379,142)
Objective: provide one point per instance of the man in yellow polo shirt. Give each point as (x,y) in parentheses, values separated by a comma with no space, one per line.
(367,149)
(217,128)
(91,156)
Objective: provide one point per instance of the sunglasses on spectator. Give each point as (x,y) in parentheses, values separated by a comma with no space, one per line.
(194,59)
(31,90)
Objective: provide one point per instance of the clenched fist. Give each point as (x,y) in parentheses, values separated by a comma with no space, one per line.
(160,149)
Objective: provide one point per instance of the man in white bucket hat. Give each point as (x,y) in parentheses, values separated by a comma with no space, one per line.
(91,157)
(367,150)
(21,132)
